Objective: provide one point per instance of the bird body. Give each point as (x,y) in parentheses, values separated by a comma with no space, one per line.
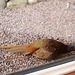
(50,49)
(43,49)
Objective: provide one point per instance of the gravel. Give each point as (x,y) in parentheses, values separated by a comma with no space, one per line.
(50,19)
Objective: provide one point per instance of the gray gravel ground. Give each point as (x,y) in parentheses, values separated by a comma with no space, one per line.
(50,19)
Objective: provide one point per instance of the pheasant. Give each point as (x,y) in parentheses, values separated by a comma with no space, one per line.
(43,49)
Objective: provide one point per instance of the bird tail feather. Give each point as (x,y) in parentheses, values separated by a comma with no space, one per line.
(16,49)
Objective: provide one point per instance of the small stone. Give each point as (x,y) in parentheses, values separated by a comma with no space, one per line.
(2,4)
(16,3)
(67,5)
(41,0)
(32,1)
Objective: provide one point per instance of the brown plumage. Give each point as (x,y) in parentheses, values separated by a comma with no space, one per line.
(50,49)
(43,49)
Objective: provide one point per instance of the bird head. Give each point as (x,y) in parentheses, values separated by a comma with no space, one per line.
(71,48)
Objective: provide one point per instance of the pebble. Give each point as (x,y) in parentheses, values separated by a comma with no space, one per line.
(2,4)
(32,1)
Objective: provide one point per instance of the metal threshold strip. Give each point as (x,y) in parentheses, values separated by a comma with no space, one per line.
(57,70)
(59,65)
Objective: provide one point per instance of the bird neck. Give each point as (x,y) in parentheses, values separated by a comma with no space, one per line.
(71,48)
